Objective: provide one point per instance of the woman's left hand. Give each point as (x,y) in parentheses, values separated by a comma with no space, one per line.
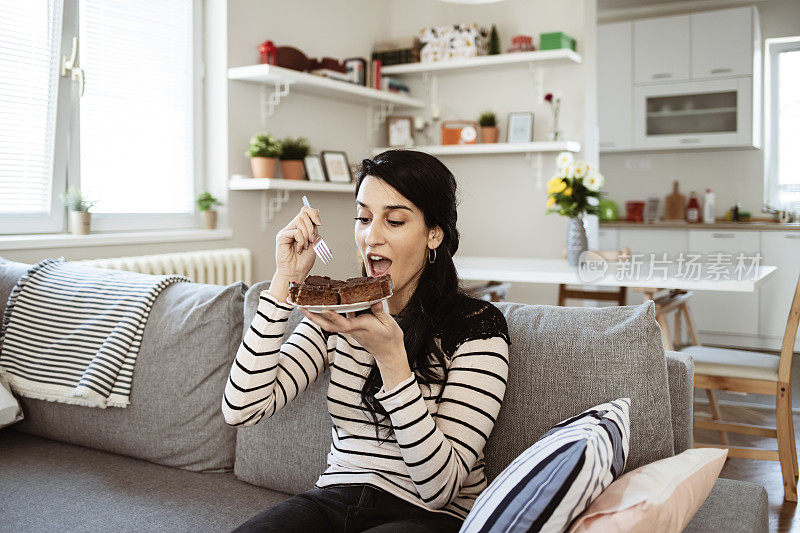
(378,333)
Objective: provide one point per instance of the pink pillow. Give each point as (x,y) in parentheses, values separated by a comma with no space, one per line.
(661,496)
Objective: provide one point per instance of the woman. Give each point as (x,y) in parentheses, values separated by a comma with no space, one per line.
(414,390)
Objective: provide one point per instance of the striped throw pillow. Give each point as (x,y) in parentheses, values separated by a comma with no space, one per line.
(553,481)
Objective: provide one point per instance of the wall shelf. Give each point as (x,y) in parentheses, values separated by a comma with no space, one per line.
(286,79)
(563,55)
(238,183)
(280,188)
(495,148)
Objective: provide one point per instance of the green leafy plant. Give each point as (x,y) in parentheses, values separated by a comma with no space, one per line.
(206,201)
(75,201)
(494,42)
(263,145)
(487,119)
(293,149)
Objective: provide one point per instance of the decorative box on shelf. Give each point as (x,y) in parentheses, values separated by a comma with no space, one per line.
(555,41)
(459,41)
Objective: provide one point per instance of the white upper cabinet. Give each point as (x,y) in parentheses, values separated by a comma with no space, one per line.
(661,49)
(614,85)
(723,43)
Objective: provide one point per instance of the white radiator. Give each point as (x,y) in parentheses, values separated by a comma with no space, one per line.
(221,267)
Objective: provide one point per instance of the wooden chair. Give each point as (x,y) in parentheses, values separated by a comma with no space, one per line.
(619,296)
(744,371)
(493,291)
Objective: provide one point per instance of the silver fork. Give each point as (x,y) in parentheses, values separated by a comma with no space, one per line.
(320,248)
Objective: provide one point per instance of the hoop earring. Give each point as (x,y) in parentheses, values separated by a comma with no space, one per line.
(431,261)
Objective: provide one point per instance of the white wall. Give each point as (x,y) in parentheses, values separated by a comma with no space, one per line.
(734,175)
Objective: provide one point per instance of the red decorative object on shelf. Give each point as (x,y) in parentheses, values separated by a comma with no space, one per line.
(266,52)
(521,43)
(635,211)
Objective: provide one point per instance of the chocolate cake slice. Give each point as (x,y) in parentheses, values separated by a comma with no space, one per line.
(322,290)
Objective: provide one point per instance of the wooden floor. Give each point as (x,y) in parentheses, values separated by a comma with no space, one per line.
(782,515)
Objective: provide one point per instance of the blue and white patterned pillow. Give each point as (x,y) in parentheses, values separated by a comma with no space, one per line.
(555,480)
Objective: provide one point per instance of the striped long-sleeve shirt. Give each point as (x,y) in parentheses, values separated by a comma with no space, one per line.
(434,455)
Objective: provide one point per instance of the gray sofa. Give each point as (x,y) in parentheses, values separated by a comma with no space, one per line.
(169,462)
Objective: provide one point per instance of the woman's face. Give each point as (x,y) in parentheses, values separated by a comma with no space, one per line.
(390,226)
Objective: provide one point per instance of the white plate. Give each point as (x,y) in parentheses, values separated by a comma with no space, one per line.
(340,308)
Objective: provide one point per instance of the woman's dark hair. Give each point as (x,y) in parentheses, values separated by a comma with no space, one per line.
(431,187)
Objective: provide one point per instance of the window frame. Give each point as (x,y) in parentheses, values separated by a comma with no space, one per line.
(65,172)
(774,47)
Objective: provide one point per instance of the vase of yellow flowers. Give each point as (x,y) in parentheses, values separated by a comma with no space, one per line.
(574,191)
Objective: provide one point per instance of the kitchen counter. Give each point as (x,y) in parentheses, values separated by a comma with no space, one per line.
(756,225)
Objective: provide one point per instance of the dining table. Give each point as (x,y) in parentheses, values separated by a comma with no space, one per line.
(646,277)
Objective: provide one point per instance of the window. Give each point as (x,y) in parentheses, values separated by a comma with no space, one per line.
(127,134)
(782,158)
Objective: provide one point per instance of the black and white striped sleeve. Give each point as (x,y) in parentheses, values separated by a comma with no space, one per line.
(267,374)
(441,450)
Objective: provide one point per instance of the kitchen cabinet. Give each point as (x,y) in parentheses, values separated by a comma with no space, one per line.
(661,49)
(607,239)
(614,85)
(654,241)
(725,312)
(781,249)
(697,114)
(722,43)
(695,82)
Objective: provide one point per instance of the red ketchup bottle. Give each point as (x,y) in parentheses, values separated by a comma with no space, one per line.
(693,208)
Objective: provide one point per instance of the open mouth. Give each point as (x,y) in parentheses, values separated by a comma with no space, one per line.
(378,264)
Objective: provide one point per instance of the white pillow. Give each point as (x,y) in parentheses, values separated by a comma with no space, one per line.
(10,410)
(555,480)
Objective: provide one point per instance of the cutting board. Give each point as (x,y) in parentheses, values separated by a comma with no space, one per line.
(675,204)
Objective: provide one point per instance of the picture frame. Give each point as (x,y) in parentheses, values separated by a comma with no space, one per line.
(399,131)
(313,167)
(520,127)
(336,166)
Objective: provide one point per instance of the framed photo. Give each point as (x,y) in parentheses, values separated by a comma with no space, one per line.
(520,127)
(313,165)
(336,166)
(399,131)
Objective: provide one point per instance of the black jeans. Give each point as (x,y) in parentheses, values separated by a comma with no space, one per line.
(349,509)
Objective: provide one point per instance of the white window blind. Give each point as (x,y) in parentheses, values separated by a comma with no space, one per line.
(136,116)
(30,33)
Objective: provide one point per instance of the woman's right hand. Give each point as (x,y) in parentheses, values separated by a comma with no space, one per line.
(294,251)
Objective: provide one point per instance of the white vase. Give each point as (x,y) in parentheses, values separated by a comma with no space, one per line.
(80,222)
(576,240)
(209,219)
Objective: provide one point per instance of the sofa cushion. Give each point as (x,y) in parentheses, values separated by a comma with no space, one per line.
(661,496)
(48,486)
(554,480)
(10,272)
(288,451)
(564,360)
(174,418)
(733,506)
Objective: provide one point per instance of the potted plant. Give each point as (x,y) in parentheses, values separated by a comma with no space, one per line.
(488,124)
(292,153)
(263,153)
(573,192)
(205,202)
(78,205)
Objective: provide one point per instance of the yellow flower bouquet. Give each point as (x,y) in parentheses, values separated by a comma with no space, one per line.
(575,188)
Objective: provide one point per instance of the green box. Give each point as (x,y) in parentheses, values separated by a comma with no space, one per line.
(555,41)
